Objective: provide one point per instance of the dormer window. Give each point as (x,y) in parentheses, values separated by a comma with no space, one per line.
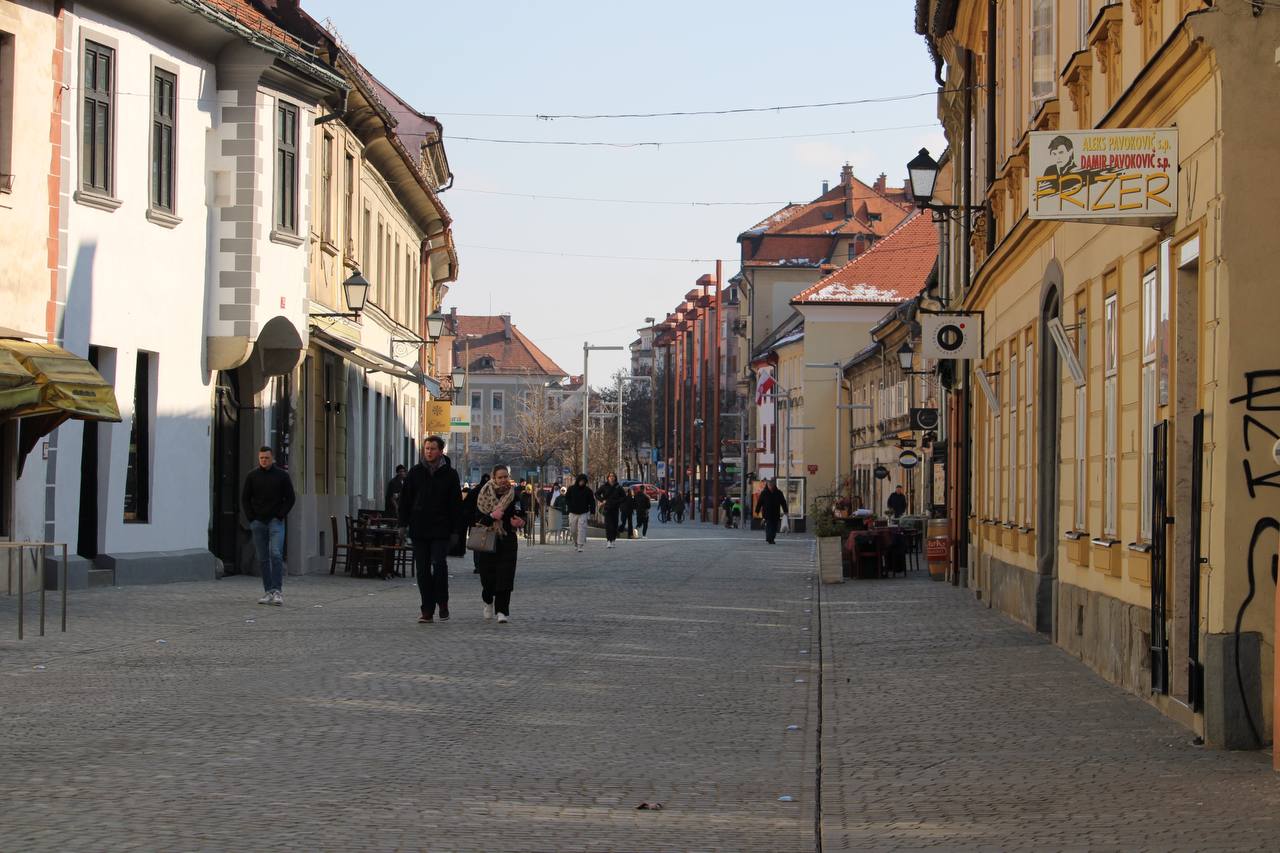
(485,362)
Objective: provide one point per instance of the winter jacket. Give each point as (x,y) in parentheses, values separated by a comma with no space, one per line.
(897,504)
(431,504)
(642,503)
(267,495)
(497,570)
(771,504)
(579,500)
(611,495)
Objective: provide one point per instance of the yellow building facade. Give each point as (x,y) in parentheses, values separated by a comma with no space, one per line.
(1130,511)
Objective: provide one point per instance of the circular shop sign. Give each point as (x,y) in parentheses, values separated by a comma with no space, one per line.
(908,459)
(882,473)
(950,336)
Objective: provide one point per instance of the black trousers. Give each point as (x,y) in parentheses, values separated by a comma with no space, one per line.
(430,558)
(642,523)
(611,524)
(771,529)
(501,601)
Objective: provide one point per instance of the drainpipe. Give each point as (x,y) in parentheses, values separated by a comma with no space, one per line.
(991,122)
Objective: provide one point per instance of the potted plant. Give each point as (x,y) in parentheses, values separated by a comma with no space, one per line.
(829,531)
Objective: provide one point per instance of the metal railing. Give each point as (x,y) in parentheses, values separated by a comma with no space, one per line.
(38,551)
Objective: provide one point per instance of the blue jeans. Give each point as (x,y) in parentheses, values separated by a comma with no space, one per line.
(268,542)
(430,558)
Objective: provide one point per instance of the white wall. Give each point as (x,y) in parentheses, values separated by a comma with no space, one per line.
(134,284)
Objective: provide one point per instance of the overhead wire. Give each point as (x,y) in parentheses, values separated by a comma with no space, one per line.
(673,142)
(549,253)
(534,196)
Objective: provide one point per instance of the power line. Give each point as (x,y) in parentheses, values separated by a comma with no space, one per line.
(720,112)
(878,249)
(544,197)
(659,144)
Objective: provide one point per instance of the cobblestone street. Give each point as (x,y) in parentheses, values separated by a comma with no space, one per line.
(186,717)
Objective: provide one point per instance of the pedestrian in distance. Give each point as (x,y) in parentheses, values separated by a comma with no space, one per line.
(771,505)
(610,495)
(503,507)
(677,508)
(664,508)
(391,504)
(626,514)
(267,498)
(431,510)
(642,504)
(580,502)
(898,502)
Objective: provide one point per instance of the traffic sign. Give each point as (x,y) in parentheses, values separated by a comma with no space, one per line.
(908,459)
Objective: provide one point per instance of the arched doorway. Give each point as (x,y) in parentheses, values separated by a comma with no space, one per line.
(1048,452)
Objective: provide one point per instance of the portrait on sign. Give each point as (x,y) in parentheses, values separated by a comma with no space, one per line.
(1121,176)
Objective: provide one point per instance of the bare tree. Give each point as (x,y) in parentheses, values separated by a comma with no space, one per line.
(542,431)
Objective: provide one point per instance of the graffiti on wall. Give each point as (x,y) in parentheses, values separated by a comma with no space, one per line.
(1261,415)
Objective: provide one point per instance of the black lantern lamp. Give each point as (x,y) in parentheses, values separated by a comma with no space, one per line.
(435,326)
(922,172)
(356,290)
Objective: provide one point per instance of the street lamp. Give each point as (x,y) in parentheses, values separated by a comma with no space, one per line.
(356,290)
(906,360)
(586,400)
(922,172)
(435,326)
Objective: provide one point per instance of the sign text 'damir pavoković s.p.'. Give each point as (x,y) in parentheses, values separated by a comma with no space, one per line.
(1119,176)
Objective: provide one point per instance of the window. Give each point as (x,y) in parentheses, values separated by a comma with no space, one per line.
(137,479)
(6,118)
(475,402)
(393,291)
(495,427)
(496,404)
(1028,470)
(164,89)
(997,457)
(326,188)
(349,202)
(1016,68)
(1013,438)
(1044,71)
(286,167)
(1110,365)
(366,240)
(1082,424)
(96,167)
(1150,314)
(377,279)
(1082,25)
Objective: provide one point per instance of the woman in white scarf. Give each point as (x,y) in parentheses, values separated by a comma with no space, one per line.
(500,506)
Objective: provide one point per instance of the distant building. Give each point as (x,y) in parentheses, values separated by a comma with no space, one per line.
(505,373)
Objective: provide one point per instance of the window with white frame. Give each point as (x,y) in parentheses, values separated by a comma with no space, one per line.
(1110,366)
(1082,424)
(476,397)
(1013,438)
(1150,313)
(349,203)
(1082,26)
(286,167)
(164,90)
(326,188)
(1028,467)
(997,457)
(496,401)
(97,164)
(1044,71)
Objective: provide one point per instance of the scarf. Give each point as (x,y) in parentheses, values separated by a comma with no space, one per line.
(488,500)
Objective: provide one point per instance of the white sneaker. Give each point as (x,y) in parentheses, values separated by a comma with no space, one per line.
(277,599)
(610,545)
(579,550)
(266,599)
(502,618)
(488,612)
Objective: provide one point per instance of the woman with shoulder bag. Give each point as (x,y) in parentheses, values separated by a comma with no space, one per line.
(501,507)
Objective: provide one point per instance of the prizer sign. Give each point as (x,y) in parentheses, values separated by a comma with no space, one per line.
(1121,177)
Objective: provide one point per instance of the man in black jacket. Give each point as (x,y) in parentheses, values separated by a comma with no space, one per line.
(266,499)
(431,507)
(580,503)
(641,502)
(610,494)
(771,505)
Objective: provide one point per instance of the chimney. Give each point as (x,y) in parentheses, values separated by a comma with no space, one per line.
(453,319)
(880,182)
(824,188)
(846,181)
(506,326)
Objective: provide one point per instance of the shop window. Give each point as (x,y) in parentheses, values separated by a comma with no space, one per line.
(137,483)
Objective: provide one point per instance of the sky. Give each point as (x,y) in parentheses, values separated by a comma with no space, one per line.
(519,253)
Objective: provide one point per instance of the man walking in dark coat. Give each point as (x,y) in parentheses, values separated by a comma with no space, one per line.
(640,501)
(266,499)
(611,495)
(580,503)
(771,505)
(431,507)
(898,502)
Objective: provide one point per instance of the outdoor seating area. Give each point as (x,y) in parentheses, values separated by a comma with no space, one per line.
(882,548)
(371,548)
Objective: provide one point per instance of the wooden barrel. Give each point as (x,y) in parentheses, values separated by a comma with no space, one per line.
(938,548)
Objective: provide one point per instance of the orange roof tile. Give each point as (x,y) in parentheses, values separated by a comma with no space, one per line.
(893,270)
(514,354)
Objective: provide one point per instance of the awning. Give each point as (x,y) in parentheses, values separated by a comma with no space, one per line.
(45,386)
(375,362)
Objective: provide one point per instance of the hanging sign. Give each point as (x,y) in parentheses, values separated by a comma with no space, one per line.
(460,419)
(1125,176)
(435,417)
(908,459)
(881,472)
(953,335)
